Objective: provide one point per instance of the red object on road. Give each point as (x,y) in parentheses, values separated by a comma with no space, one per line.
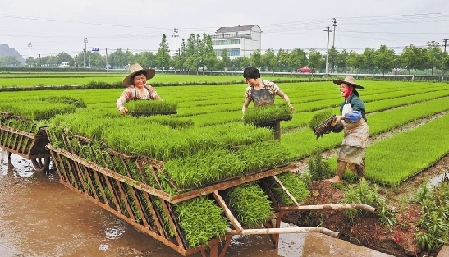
(303,69)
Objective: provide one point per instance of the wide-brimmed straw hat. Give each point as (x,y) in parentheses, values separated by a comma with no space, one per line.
(149,73)
(349,80)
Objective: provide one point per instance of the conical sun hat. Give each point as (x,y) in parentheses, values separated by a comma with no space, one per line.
(149,73)
(349,80)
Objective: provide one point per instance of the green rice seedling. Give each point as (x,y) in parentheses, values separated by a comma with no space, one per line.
(143,107)
(363,193)
(119,166)
(77,102)
(267,113)
(250,204)
(200,220)
(165,220)
(133,170)
(434,222)
(270,154)
(318,168)
(293,183)
(319,117)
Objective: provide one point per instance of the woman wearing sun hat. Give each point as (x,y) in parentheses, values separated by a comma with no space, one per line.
(356,130)
(137,87)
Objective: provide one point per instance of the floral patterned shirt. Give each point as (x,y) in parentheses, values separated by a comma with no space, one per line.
(272,88)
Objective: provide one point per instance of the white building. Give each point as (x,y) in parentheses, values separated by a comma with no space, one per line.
(239,41)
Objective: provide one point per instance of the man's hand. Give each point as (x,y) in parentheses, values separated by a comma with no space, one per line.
(123,110)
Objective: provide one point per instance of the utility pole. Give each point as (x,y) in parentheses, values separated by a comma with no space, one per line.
(334,23)
(445,43)
(107,65)
(327,53)
(85,42)
(175,35)
(29,49)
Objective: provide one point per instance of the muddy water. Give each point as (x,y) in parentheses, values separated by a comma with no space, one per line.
(41,217)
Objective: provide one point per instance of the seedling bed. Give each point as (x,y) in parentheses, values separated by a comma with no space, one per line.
(145,114)
(28,145)
(152,210)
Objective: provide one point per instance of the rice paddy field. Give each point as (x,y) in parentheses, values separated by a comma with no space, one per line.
(389,106)
(206,140)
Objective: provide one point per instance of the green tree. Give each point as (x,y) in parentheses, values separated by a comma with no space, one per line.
(146,59)
(256,59)
(163,54)
(341,60)
(63,57)
(119,59)
(297,58)
(97,60)
(384,59)
(315,60)
(414,58)
(283,58)
(191,54)
(368,59)
(9,61)
(240,63)
(355,61)
(32,62)
(435,55)
(270,60)
(333,59)
(207,53)
(225,58)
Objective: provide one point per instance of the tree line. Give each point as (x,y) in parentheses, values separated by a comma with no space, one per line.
(196,54)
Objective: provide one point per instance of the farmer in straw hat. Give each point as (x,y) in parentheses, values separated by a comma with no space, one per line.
(353,121)
(137,87)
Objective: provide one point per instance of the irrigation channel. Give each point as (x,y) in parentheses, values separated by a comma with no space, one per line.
(41,217)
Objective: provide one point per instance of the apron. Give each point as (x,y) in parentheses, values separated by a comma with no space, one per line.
(141,96)
(262,96)
(355,139)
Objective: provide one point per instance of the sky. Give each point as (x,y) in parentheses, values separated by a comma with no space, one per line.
(49,27)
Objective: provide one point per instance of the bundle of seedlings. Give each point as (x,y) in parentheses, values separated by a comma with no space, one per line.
(200,220)
(292,183)
(323,123)
(267,114)
(149,108)
(250,204)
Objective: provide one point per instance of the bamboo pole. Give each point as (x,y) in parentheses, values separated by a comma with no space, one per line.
(267,231)
(365,207)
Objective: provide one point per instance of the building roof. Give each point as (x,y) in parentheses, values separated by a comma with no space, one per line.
(235,28)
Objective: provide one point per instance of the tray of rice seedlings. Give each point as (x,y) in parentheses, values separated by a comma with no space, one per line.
(250,205)
(209,167)
(139,108)
(267,114)
(200,220)
(290,182)
(41,108)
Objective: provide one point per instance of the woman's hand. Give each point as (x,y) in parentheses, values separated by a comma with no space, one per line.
(337,120)
(123,110)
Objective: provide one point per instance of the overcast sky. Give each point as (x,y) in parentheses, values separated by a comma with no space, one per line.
(55,26)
